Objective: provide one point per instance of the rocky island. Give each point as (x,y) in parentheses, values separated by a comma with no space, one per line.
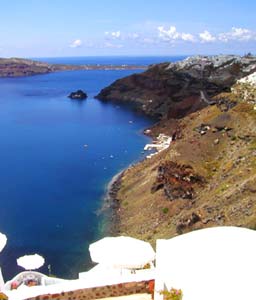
(78,95)
(207,176)
(17,67)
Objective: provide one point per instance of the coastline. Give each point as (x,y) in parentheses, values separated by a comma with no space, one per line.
(149,216)
(110,209)
(110,206)
(86,219)
(182,106)
(19,67)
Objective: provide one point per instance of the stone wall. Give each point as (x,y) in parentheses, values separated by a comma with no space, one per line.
(115,290)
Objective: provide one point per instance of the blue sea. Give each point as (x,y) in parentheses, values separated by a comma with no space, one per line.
(111,60)
(57,157)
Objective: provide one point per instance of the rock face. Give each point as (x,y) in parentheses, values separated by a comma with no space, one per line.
(78,95)
(178,181)
(206,178)
(174,90)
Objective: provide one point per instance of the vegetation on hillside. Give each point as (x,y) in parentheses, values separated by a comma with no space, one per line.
(216,146)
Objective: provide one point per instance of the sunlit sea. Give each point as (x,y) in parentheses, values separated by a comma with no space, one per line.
(57,157)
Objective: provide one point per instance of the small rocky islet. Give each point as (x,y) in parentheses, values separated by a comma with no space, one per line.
(207,176)
(78,95)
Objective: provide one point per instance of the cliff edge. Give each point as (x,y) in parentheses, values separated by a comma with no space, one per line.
(172,90)
(207,176)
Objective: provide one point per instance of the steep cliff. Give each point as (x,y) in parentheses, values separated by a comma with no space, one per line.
(174,90)
(206,177)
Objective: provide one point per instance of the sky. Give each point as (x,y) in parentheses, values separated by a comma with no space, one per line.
(56,28)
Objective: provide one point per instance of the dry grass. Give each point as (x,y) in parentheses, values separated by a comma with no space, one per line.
(229,166)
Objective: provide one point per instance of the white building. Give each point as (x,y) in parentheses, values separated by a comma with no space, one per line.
(208,264)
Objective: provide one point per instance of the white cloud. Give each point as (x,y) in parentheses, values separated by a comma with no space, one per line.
(133,36)
(238,34)
(111,45)
(89,44)
(148,41)
(171,34)
(206,37)
(235,34)
(113,34)
(187,37)
(76,43)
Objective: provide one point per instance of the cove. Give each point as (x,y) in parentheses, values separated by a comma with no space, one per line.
(57,156)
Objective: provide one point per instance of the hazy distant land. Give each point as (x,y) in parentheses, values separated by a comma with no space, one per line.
(17,67)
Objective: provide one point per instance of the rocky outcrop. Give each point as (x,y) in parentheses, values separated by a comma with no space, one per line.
(207,177)
(78,95)
(177,181)
(174,90)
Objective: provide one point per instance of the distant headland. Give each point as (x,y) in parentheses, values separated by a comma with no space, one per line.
(18,67)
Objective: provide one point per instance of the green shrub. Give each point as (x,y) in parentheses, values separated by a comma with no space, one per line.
(165,210)
(173,294)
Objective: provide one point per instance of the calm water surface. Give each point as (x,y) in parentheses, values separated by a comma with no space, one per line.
(57,156)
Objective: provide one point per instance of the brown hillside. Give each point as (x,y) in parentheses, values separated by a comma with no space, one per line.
(216,145)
